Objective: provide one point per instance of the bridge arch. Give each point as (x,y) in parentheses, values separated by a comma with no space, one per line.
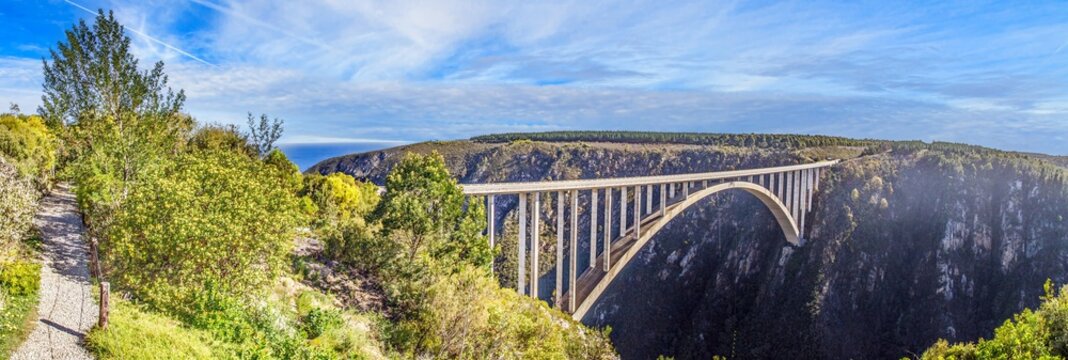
(779,210)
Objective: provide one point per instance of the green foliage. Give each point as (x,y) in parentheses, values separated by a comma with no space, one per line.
(338,198)
(319,321)
(136,333)
(19,288)
(466,315)
(423,211)
(221,137)
(29,145)
(264,133)
(118,123)
(212,219)
(1028,335)
(20,278)
(17,204)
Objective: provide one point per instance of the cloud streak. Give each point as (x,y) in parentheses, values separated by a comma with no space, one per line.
(409,70)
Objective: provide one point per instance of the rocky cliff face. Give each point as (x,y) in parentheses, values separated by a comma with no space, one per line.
(906,246)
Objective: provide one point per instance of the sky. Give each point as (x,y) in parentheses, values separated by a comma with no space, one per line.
(337,71)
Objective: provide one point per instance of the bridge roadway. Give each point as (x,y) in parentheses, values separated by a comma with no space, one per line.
(786,190)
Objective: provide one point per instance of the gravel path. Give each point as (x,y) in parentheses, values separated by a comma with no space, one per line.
(66,310)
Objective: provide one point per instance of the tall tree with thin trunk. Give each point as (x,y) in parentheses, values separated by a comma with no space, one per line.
(117,121)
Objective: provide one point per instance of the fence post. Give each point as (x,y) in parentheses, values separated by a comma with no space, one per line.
(105,302)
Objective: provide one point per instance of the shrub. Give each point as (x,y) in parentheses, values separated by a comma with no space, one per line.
(319,321)
(1028,335)
(211,220)
(466,315)
(20,278)
(17,204)
(27,142)
(338,198)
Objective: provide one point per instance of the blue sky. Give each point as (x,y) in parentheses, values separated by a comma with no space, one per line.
(989,73)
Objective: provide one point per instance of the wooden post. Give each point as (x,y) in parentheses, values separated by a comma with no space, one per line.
(105,304)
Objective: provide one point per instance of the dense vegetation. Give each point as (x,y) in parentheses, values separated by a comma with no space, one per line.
(27,157)
(197,229)
(1040,334)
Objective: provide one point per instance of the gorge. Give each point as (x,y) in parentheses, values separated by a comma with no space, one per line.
(908,242)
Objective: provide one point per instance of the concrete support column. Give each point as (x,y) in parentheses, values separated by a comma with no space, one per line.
(522,245)
(637,211)
(671,190)
(804,200)
(593,227)
(490,220)
(559,293)
(607,229)
(686,190)
(648,200)
(760,180)
(789,194)
(622,211)
(535,245)
(797,195)
(781,183)
(573,269)
(663,199)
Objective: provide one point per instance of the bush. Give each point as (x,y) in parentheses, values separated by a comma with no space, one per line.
(17,204)
(466,315)
(27,142)
(319,321)
(212,220)
(338,199)
(1030,334)
(20,278)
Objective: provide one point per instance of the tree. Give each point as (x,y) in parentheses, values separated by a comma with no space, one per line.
(423,210)
(118,122)
(264,133)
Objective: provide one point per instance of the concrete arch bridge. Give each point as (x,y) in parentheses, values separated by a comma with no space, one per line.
(653,201)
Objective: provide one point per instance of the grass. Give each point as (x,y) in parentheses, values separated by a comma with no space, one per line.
(16,320)
(134,333)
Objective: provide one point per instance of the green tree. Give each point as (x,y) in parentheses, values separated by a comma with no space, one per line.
(264,133)
(118,122)
(423,211)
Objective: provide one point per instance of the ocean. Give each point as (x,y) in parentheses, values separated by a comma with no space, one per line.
(306,155)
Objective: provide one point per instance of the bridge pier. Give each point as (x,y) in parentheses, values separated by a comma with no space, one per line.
(593,227)
(522,245)
(535,245)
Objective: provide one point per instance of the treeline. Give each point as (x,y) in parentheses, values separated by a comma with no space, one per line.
(690,138)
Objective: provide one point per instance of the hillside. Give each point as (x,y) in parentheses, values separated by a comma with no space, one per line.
(911,242)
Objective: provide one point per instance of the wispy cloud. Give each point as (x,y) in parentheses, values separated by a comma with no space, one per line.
(147,37)
(411,70)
